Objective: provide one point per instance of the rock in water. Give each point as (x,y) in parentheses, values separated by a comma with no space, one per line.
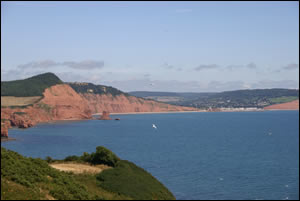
(105,116)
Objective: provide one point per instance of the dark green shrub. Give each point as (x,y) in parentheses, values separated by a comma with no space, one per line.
(72,158)
(104,156)
(86,157)
(96,89)
(48,159)
(33,86)
(20,113)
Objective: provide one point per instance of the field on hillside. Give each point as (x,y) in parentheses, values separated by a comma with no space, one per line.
(7,101)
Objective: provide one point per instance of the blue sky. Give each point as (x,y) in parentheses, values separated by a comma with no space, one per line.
(154,46)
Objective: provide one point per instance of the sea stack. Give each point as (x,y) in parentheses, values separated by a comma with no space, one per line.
(105,116)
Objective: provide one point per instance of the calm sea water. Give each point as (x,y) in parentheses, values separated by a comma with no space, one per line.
(241,155)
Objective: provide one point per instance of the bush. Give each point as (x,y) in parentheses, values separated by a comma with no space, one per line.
(20,113)
(104,156)
(101,156)
(48,159)
(96,89)
(72,158)
(86,157)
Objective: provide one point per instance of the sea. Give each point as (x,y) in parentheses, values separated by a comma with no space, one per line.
(197,156)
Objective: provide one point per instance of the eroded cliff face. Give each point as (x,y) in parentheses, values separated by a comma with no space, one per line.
(25,117)
(65,103)
(60,102)
(4,130)
(123,104)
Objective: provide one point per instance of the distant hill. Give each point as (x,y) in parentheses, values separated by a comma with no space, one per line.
(169,97)
(239,98)
(36,85)
(82,87)
(33,86)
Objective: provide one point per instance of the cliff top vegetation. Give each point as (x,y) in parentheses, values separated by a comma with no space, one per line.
(33,86)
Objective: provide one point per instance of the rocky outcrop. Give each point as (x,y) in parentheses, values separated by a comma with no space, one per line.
(4,130)
(105,116)
(293,105)
(21,121)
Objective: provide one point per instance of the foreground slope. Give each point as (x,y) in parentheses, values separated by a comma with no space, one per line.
(28,178)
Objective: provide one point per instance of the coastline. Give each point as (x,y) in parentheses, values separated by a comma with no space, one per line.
(170,112)
(281,109)
(151,112)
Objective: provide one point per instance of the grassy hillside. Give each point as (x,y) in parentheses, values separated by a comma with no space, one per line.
(238,98)
(33,86)
(125,179)
(28,178)
(96,89)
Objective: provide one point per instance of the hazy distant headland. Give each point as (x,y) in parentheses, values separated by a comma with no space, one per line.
(255,98)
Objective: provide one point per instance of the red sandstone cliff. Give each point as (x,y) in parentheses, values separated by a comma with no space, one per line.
(66,103)
(4,130)
(61,102)
(123,104)
(293,105)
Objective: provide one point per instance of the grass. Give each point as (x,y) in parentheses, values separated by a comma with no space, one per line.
(14,191)
(92,185)
(283,99)
(79,168)
(20,113)
(8,101)
(4,120)
(45,107)
(128,179)
(36,174)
